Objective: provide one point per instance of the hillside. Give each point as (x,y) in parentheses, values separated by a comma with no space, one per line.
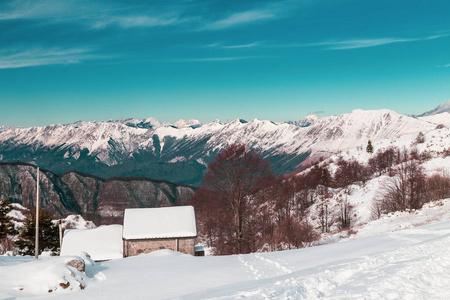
(94,198)
(432,157)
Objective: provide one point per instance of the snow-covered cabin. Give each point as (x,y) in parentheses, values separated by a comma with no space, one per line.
(101,243)
(149,229)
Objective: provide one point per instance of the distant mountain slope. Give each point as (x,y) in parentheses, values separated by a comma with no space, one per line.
(441,118)
(445,107)
(147,148)
(94,198)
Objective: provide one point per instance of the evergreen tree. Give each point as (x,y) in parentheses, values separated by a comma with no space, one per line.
(369,148)
(48,234)
(6,224)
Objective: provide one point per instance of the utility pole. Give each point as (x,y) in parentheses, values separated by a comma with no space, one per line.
(60,235)
(36,248)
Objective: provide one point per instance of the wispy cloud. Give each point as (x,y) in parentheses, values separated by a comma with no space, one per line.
(91,14)
(13,58)
(251,45)
(260,13)
(137,21)
(354,44)
(219,59)
(53,10)
(317,112)
(240,18)
(239,46)
(365,43)
(100,15)
(444,66)
(32,9)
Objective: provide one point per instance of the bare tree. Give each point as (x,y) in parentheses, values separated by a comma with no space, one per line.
(345,213)
(233,180)
(323,205)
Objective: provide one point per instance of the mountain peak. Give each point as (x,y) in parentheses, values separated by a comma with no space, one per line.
(305,122)
(184,124)
(444,107)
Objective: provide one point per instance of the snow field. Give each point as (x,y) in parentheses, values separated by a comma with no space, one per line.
(407,264)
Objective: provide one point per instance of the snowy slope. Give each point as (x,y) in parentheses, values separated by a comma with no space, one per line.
(441,118)
(361,196)
(407,264)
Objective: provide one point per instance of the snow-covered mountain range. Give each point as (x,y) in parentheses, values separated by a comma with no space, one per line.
(180,152)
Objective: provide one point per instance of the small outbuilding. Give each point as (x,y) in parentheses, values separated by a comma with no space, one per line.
(150,229)
(101,243)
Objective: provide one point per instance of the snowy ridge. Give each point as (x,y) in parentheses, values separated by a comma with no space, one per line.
(120,142)
(191,123)
(264,135)
(306,121)
(444,107)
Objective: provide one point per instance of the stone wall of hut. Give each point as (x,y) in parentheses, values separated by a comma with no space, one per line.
(136,247)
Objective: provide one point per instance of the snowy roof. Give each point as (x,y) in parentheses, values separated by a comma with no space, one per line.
(101,243)
(163,222)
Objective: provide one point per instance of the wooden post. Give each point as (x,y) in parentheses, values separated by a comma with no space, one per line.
(60,236)
(36,247)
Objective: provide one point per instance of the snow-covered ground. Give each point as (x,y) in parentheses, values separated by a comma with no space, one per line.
(405,264)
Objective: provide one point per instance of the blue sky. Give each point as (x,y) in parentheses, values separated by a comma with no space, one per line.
(64,61)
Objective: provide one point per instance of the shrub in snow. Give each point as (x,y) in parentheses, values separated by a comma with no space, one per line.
(406,190)
(438,187)
(420,139)
(349,172)
(383,160)
(446,152)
